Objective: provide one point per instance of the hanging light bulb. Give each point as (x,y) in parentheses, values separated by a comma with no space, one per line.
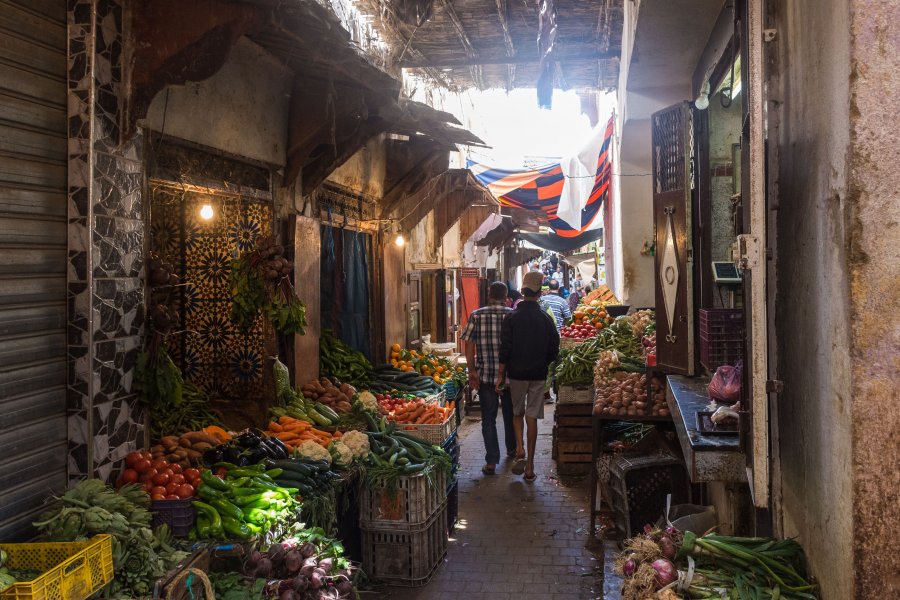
(206,212)
(702,101)
(399,240)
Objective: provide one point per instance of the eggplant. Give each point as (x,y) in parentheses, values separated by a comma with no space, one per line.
(213,455)
(278,447)
(231,454)
(248,440)
(255,456)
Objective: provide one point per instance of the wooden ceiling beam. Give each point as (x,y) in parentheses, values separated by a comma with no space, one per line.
(501,59)
(477,75)
(503,15)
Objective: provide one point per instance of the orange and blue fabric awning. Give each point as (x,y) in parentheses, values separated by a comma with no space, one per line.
(541,188)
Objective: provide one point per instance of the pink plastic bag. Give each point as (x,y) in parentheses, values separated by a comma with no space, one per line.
(726,383)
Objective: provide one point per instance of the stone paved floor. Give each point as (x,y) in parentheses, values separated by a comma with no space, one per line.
(517,539)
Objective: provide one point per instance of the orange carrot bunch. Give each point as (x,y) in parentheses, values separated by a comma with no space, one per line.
(417,412)
(294,432)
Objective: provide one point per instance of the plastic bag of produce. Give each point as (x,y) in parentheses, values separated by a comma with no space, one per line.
(282,377)
(726,383)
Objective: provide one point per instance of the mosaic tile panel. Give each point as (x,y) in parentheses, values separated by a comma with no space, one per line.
(106,241)
(213,353)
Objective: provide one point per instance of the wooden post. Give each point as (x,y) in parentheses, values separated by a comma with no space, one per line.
(307,253)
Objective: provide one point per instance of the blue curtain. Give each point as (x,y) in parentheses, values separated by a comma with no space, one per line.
(346,257)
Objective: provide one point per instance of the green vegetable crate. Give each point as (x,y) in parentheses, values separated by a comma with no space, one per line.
(413,503)
(406,558)
(69,570)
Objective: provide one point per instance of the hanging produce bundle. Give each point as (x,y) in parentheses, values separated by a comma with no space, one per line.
(341,362)
(260,284)
(140,556)
(671,564)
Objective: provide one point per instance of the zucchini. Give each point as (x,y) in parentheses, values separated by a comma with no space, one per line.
(327,412)
(318,418)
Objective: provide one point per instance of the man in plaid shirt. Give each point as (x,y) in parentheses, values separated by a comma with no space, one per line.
(482,337)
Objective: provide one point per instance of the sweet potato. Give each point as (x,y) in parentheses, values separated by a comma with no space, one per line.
(201,446)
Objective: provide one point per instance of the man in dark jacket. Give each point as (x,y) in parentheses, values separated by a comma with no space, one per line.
(529,342)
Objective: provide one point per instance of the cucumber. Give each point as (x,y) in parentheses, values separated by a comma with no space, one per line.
(327,412)
(295,466)
(318,418)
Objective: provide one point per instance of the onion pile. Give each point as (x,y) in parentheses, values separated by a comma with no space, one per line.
(658,405)
(621,394)
(646,564)
(640,320)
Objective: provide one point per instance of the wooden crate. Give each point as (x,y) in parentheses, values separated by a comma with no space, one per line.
(574,457)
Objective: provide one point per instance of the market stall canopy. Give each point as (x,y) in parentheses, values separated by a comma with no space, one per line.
(568,196)
(478,43)
(556,243)
(340,99)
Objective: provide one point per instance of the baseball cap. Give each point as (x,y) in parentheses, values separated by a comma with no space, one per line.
(533,281)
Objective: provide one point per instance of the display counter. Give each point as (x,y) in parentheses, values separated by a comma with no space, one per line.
(707,457)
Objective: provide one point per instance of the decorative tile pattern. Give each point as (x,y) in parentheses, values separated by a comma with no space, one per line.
(217,357)
(106,241)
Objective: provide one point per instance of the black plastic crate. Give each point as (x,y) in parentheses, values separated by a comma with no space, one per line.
(638,487)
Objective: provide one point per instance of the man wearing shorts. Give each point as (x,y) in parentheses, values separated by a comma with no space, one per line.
(529,342)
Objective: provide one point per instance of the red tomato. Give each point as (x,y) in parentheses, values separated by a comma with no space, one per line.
(171,488)
(190,474)
(168,471)
(160,479)
(146,456)
(172,497)
(176,468)
(158,490)
(159,464)
(157,497)
(177,478)
(129,475)
(185,491)
(147,475)
(142,465)
(132,457)
(148,486)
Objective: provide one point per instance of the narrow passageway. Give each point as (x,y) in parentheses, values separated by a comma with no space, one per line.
(516,539)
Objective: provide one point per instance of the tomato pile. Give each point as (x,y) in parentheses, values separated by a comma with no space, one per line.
(391,402)
(161,479)
(578,331)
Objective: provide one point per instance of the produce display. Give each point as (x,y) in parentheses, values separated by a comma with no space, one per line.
(387,378)
(591,314)
(185,450)
(643,322)
(259,281)
(394,453)
(140,556)
(293,433)
(341,362)
(336,397)
(578,331)
(159,478)
(621,388)
(242,502)
(313,412)
(249,447)
(419,412)
(307,566)
(684,565)
(439,368)
(575,365)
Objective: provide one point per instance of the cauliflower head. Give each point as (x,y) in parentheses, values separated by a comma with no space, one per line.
(341,454)
(368,401)
(357,442)
(313,450)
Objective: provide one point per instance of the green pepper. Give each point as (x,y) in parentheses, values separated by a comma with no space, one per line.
(244,472)
(245,500)
(258,516)
(239,482)
(247,491)
(236,528)
(208,492)
(264,504)
(214,482)
(208,514)
(273,473)
(224,507)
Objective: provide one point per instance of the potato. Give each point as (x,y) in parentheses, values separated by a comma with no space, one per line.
(201,446)
(172,458)
(182,453)
(157,449)
(193,454)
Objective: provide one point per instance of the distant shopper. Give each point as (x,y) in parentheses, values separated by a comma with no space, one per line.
(512,301)
(529,343)
(557,304)
(482,337)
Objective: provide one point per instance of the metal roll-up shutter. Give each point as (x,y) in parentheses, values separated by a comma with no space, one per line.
(33,432)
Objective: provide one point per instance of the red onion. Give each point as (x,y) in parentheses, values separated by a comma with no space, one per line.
(665,572)
(629,567)
(671,530)
(667,546)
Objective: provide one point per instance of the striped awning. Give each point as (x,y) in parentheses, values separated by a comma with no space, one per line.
(543,188)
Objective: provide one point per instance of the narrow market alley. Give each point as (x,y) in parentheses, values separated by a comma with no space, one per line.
(516,539)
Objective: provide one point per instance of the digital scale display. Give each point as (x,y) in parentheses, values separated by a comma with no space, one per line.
(726,273)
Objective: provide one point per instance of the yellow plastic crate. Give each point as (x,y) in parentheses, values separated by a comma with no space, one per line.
(69,570)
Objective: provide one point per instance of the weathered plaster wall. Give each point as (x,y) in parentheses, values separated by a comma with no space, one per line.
(871,241)
(810,100)
(636,211)
(364,171)
(242,109)
(724,130)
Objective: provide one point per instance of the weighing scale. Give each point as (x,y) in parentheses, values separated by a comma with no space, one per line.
(726,275)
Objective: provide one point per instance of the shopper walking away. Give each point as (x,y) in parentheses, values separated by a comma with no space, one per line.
(557,304)
(529,343)
(482,337)
(514,298)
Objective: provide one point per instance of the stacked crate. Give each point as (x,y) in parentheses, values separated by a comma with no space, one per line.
(721,336)
(452,447)
(404,531)
(572,431)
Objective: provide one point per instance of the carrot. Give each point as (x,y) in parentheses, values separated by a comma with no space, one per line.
(273,426)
